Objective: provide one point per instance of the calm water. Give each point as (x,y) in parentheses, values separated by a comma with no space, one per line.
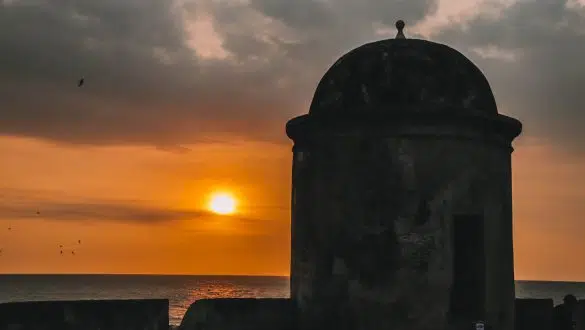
(180,290)
(183,290)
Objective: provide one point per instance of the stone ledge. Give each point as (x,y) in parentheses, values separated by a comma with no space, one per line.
(534,314)
(151,314)
(239,314)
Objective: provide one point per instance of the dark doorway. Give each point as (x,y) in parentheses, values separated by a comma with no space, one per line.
(468,291)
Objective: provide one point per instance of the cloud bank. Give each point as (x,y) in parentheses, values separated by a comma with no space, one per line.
(171,73)
(23,204)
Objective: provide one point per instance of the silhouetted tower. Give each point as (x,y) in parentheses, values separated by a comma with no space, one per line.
(402,197)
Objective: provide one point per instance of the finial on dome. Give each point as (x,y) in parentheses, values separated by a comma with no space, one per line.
(400,27)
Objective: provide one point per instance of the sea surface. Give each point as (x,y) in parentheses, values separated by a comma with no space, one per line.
(183,290)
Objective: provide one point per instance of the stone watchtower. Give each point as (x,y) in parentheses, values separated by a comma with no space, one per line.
(402,197)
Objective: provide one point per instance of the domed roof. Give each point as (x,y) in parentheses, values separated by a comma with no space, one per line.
(398,75)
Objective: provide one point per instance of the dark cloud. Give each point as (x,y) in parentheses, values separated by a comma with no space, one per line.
(97,212)
(320,31)
(19,204)
(130,95)
(146,84)
(176,149)
(542,84)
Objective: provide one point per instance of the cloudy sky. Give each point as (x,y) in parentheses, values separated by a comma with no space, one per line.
(185,98)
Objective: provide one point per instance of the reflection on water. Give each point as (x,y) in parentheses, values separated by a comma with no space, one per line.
(180,290)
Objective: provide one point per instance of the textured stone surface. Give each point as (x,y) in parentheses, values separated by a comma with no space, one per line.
(147,314)
(372,227)
(409,74)
(580,316)
(239,314)
(534,314)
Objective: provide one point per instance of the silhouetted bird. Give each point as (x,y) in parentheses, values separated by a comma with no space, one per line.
(38,212)
(60,246)
(78,241)
(61,252)
(80,83)
(73,252)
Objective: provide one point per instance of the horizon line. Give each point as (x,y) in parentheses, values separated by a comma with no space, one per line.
(218,275)
(140,274)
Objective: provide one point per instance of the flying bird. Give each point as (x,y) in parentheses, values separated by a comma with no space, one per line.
(80,83)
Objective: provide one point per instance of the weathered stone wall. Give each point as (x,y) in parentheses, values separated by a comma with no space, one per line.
(372,225)
(534,314)
(149,314)
(580,316)
(239,314)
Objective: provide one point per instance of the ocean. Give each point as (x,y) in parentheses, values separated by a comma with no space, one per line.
(183,290)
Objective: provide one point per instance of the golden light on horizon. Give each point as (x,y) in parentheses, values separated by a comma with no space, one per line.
(222,203)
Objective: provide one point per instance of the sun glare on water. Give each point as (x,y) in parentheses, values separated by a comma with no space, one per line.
(222,203)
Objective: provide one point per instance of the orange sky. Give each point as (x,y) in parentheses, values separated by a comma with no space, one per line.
(258,174)
(547,209)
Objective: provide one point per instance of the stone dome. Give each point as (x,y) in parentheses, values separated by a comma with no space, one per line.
(403,75)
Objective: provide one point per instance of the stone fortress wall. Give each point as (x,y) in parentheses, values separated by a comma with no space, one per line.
(205,314)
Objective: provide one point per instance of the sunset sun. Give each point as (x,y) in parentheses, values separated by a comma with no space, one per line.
(222,203)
